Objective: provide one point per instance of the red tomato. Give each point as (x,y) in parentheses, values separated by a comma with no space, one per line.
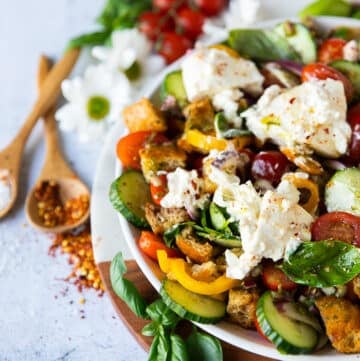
(211,7)
(339,226)
(190,21)
(322,72)
(330,50)
(270,165)
(275,279)
(353,155)
(165,5)
(173,46)
(153,24)
(150,243)
(128,147)
(158,188)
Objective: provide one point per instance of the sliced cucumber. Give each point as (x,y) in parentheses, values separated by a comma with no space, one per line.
(351,71)
(173,85)
(288,335)
(300,38)
(190,305)
(217,217)
(128,195)
(342,191)
(261,45)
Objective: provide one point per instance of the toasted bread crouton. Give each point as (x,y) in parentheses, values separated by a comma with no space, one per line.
(143,115)
(206,272)
(161,219)
(200,115)
(342,323)
(156,157)
(189,245)
(354,288)
(241,306)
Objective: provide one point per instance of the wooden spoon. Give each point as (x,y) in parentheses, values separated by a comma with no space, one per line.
(55,169)
(10,157)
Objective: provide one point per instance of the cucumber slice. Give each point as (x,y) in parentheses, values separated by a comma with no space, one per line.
(173,85)
(342,191)
(128,195)
(288,335)
(190,305)
(300,38)
(351,71)
(217,218)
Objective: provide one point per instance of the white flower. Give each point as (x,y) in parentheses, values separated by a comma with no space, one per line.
(130,53)
(94,102)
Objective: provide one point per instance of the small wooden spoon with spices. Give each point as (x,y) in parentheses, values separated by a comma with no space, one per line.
(10,157)
(60,200)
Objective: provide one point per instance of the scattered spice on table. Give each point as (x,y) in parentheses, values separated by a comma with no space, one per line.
(52,211)
(77,244)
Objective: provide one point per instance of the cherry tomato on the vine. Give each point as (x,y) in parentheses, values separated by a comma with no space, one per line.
(190,21)
(173,46)
(153,24)
(166,5)
(211,7)
(331,49)
(321,71)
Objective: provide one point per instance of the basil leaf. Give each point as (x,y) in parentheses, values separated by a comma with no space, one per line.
(160,347)
(91,39)
(124,288)
(178,349)
(327,7)
(261,45)
(151,329)
(162,314)
(323,263)
(170,234)
(203,347)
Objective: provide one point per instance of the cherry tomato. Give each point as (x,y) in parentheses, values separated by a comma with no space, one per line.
(158,188)
(150,243)
(128,147)
(211,7)
(353,155)
(165,5)
(153,24)
(339,226)
(275,279)
(173,46)
(190,21)
(330,50)
(270,165)
(322,72)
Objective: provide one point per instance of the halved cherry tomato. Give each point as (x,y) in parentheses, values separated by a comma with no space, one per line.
(158,188)
(275,279)
(331,49)
(211,7)
(321,71)
(339,226)
(190,21)
(150,243)
(128,147)
(173,46)
(153,24)
(166,5)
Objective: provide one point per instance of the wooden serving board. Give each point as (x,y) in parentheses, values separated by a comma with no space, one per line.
(135,324)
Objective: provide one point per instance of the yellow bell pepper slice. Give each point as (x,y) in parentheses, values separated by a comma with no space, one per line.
(177,267)
(305,163)
(303,183)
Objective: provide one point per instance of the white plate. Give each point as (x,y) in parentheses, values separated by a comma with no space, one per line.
(106,243)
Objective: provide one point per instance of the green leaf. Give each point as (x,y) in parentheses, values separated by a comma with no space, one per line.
(327,7)
(162,314)
(120,14)
(323,263)
(261,45)
(124,288)
(178,349)
(90,39)
(160,347)
(151,329)
(170,234)
(203,347)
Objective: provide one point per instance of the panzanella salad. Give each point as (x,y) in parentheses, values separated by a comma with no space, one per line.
(244,181)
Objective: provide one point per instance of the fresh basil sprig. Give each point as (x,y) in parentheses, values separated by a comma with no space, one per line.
(166,345)
(327,7)
(323,263)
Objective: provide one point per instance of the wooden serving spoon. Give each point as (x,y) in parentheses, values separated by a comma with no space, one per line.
(10,157)
(55,169)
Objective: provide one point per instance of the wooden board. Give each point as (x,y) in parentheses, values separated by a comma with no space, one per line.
(135,324)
